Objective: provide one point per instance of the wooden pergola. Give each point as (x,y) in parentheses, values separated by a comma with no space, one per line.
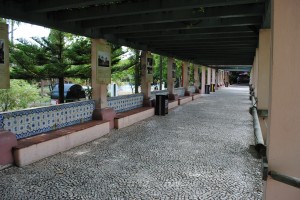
(206,32)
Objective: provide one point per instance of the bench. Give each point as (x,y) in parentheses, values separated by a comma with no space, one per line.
(32,149)
(184,99)
(130,117)
(172,104)
(196,96)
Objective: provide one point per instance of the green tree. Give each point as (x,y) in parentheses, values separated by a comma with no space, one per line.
(19,96)
(79,55)
(25,61)
(156,68)
(118,57)
(53,57)
(64,55)
(12,27)
(156,71)
(191,72)
(137,71)
(126,69)
(178,73)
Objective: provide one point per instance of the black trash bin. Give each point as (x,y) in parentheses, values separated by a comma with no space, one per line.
(207,89)
(161,104)
(226,84)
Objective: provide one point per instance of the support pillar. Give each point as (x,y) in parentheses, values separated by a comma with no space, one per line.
(171,78)
(100,80)
(203,75)
(185,78)
(147,77)
(213,80)
(217,80)
(253,73)
(256,72)
(283,136)
(208,81)
(99,89)
(4,57)
(251,77)
(220,78)
(196,79)
(223,77)
(8,141)
(226,78)
(263,78)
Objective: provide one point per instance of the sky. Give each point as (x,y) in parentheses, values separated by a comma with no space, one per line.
(27,31)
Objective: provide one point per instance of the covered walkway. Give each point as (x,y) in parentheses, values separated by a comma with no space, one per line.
(200,150)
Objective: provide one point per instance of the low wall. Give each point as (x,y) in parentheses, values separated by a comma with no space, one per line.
(30,122)
(125,102)
(34,121)
(192,89)
(180,91)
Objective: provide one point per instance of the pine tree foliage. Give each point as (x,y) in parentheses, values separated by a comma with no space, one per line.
(63,55)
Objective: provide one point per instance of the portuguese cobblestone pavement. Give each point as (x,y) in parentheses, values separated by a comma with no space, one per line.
(200,150)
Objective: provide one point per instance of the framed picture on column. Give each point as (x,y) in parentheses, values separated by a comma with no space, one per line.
(103,64)
(149,66)
(2,52)
(4,57)
(103,59)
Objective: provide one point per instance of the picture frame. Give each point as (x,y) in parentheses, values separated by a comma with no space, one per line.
(2,52)
(103,59)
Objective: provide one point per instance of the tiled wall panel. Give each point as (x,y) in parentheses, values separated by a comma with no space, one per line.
(29,122)
(179,91)
(192,89)
(125,102)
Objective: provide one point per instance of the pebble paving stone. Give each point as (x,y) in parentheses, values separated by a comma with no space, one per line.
(200,150)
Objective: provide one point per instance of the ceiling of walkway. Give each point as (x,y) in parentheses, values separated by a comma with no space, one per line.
(207,32)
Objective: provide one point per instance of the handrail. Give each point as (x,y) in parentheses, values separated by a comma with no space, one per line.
(259,140)
(261,148)
(292,181)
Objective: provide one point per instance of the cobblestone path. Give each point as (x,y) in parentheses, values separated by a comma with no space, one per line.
(200,150)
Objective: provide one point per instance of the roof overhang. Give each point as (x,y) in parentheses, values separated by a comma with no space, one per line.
(206,32)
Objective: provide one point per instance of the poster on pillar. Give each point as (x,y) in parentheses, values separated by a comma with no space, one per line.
(149,65)
(4,57)
(103,68)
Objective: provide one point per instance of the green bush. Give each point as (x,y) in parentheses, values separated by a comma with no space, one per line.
(20,94)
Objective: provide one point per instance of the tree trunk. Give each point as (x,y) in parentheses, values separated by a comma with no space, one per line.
(160,72)
(137,72)
(61,89)
(182,71)
(12,23)
(42,87)
(61,80)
